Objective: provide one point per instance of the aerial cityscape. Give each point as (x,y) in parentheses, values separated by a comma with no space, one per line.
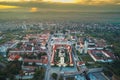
(59,40)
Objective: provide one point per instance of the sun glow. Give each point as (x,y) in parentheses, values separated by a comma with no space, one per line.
(62,1)
(33,9)
(7,7)
(86,2)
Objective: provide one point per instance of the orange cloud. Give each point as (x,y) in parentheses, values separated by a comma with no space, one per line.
(33,9)
(102,2)
(98,1)
(87,2)
(63,1)
(11,0)
(7,7)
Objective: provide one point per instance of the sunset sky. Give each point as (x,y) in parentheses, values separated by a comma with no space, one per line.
(79,10)
(90,2)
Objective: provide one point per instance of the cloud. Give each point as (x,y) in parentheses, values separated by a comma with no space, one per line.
(98,1)
(90,2)
(7,7)
(87,2)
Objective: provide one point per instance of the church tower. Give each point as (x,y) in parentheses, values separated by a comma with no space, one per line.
(85,47)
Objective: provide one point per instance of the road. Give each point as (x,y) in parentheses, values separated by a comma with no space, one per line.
(47,74)
(48,67)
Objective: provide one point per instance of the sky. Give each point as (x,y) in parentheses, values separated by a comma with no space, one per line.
(87,2)
(80,10)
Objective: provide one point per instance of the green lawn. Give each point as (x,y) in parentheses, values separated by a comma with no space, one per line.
(86,58)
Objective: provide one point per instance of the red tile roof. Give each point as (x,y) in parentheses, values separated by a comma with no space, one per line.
(80,63)
(110,54)
(32,60)
(14,57)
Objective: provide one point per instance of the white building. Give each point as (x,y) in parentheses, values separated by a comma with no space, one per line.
(85,47)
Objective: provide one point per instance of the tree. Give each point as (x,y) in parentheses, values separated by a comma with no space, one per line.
(21,73)
(70,78)
(33,64)
(54,75)
(11,69)
(2,75)
(39,74)
(61,78)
